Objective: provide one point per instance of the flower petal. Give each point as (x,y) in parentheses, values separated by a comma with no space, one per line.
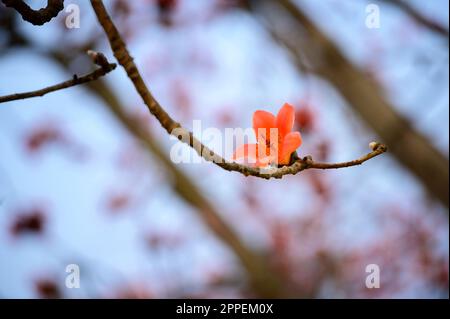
(285,119)
(262,123)
(291,142)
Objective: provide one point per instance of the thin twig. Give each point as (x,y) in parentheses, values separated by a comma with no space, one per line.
(103,70)
(172,127)
(377,150)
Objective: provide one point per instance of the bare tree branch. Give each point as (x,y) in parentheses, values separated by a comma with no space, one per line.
(104,69)
(174,128)
(36,17)
(419,17)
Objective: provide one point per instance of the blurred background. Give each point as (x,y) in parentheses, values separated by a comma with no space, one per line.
(78,187)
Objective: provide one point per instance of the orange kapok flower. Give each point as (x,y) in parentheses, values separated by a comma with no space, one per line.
(275,141)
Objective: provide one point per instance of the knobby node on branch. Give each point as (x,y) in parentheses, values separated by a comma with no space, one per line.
(36,17)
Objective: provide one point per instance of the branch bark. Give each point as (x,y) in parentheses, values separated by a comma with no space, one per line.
(36,17)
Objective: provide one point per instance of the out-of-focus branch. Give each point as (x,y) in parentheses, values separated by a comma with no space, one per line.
(36,17)
(363,94)
(174,128)
(104,69)
(419,17)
